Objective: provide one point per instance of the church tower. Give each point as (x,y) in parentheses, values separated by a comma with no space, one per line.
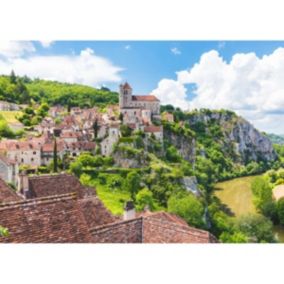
(125,95)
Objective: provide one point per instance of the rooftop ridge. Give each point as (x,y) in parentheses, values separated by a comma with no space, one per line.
(182,228)
(36,201)
(116,223)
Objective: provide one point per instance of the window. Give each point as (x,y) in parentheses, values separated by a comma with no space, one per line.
(34,152)
(32,159)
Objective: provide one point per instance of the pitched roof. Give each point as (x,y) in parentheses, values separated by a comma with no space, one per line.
(48,185)
(160,227)
(148,98)
(7,194)
(126,86)
(152,129)
(55,219)
(7,160)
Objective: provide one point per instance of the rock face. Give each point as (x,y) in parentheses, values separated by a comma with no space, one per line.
(185,146)
(237,136)
(124,160)
(251,145)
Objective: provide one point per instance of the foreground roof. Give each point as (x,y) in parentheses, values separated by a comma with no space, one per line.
(161,227)
(7,194)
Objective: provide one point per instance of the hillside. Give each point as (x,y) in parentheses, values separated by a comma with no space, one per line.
(23,90)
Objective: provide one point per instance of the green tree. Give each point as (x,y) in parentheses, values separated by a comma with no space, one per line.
(76,168)
(96,128)
(173,155)
(280,210)
(189,208)
(257,228)
(235,237)
(132,183)
(144,198)
(55,162)
(13,78)
(262,197)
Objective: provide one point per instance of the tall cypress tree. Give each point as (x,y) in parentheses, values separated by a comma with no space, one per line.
(55,165)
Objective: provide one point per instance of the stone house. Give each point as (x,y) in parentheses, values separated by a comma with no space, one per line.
(9,170)
(108,143)
(157,131)
(22,152)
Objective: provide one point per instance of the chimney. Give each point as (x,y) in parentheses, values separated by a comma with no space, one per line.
(129,211)
(23,183)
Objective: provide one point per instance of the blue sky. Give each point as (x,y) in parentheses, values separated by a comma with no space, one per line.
(147,62)
(244,76)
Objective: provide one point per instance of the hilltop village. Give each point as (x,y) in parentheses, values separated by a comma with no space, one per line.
(78,131)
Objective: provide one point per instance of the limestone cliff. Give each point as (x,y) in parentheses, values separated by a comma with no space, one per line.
(236,136)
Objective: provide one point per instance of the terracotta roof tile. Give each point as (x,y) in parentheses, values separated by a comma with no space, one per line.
(7,194)
(148,98)
(152,129)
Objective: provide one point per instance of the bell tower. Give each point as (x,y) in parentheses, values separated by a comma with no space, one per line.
(125,95)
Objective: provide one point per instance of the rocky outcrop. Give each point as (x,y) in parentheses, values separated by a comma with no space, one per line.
(238,138)
(186,146)
(125,158)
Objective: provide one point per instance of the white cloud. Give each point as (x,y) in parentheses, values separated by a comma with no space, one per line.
(250,85)
(175,51)
(12,49)
(85,68)
(127,47)
(171,92)
(46,43)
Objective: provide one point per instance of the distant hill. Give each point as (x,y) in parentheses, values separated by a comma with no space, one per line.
(276,139)
(22,90)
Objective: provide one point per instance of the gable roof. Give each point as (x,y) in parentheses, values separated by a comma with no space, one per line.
(160,227)
(6,193)
(147,98)
(152,129)
(55,219)
(48,185)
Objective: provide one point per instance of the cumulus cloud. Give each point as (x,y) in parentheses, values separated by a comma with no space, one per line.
(12,49)
(250,85)
(171,92)
(86,68)
(175,51)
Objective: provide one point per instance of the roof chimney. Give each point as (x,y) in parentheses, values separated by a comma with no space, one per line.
(23,184)
(129,211)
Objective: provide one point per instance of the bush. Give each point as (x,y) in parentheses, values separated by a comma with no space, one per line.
(280,210)
(189,208)
(144,198)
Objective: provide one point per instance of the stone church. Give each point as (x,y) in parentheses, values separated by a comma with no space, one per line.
(129,101)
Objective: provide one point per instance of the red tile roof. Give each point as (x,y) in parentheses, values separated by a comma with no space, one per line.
(55,219)
(152,129)
(148,98)
(48,185)
(160,227)
(7,194)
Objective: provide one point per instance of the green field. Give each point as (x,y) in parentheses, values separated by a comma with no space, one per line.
(236,194)
(10,116)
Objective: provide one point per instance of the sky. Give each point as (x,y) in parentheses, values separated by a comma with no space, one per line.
(244,76)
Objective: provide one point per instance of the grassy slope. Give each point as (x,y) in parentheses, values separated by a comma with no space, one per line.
(237,195)
(10,116)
